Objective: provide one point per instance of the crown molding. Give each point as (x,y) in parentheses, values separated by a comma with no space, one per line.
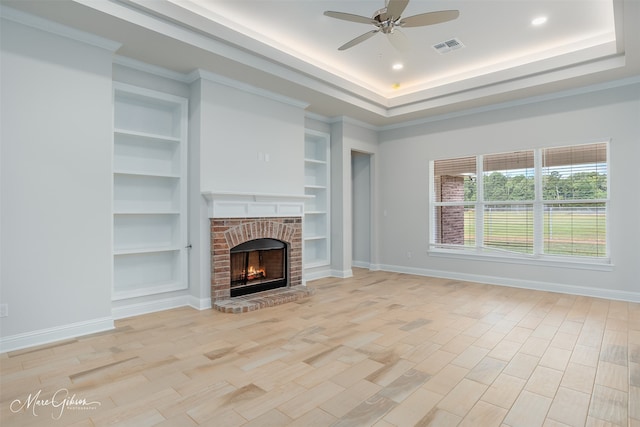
(517,103)
(38,23)
(356,122)
(150,69)
(225,81)
(317,117)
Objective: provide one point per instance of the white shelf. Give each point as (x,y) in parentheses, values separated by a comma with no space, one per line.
(146,136)
(316,253)
(316,183)
(139,270)
(149,193)
(316,174)
(148,289)
(316,146)
(144,112)
(143,251)
(145,232)
(154,156)
(145,212)
(146,193)
(314,238)
(317,162)
(138,173)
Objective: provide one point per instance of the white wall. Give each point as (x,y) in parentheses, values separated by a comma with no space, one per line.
(56,185)
(250,143)
(348,136)
(596,116)
(199,225)
(361,208)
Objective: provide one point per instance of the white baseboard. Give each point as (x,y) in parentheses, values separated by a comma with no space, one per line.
(360,264)
(199,303)
(74,330)
(136,309)
(58,333)
(519,283)
(315,275)
(343,274)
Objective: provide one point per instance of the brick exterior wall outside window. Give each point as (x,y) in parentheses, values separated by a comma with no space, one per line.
(451,227)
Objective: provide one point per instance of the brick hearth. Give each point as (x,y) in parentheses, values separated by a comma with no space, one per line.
(227,233)
(251,302)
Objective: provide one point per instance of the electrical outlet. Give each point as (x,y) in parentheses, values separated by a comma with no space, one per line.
(4,310)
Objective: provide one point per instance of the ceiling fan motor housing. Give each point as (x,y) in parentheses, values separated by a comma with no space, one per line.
(387,19)
(386,23)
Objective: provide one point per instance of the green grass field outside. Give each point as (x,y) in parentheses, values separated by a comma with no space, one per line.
(565,232)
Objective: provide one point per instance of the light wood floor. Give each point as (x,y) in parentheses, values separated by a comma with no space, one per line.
(379,349)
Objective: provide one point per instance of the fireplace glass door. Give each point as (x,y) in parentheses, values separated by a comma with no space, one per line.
(258,265)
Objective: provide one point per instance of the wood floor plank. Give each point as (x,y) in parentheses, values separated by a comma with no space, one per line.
(378,349)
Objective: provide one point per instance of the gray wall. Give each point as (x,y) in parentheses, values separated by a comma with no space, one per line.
(348,136)
(361,208)
(56,183)
(596,116)
(238,130)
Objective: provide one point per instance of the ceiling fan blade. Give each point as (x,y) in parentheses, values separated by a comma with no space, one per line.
(429,18)
(395,8)
(399,40)
(349,17)
(358,40)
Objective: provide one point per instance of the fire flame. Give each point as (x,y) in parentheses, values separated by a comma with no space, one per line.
(253,273)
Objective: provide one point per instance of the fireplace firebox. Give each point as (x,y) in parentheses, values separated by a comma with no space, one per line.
(258,265)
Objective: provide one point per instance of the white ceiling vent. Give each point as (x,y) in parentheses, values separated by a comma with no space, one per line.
(448,46)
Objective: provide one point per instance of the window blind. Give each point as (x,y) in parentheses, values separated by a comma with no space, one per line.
(575,181)
(491,202)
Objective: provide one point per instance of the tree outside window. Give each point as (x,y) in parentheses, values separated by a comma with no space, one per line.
(550,201)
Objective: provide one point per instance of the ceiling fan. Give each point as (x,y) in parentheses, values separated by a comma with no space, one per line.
(388,19)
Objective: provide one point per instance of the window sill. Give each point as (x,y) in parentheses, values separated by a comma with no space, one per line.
(546,261)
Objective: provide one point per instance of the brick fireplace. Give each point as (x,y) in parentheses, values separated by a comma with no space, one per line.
(236,219)
(227,233)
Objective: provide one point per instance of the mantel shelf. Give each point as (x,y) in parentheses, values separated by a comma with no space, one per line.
(225,204)
(255,197)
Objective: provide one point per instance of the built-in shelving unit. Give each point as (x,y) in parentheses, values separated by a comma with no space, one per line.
(316,215)
(149,192)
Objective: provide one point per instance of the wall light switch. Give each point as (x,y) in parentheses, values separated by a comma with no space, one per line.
(267,157)
(4,310)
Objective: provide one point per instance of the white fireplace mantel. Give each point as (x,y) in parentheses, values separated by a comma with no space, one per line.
(222,204)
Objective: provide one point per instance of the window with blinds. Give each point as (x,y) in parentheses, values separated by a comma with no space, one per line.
(508,183)
(455,191)
(545,202)
(574,190)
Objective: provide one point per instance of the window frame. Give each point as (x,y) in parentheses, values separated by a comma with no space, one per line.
(480,252)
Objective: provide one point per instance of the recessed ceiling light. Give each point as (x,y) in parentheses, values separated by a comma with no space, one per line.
(397,66)
(539,20)
(396,86)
